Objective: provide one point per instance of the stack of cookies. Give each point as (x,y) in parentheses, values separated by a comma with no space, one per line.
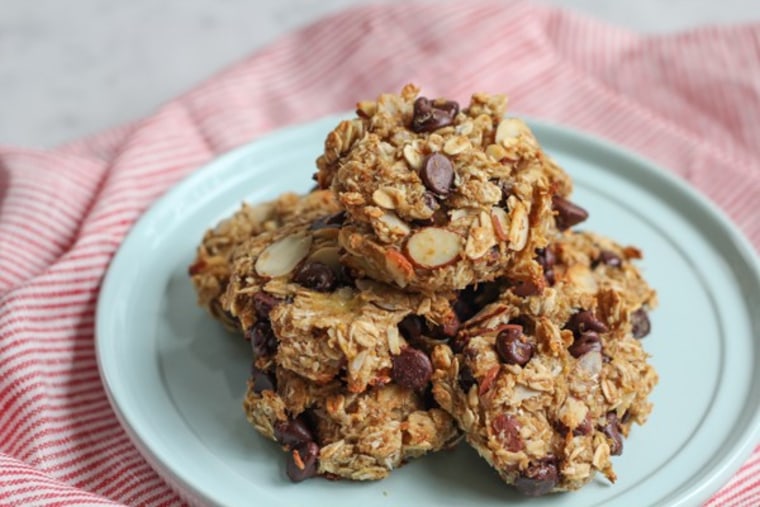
(432,288)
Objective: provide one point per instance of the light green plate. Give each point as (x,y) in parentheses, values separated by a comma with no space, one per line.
(176,382)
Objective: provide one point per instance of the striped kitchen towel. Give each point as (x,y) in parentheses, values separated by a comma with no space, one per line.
(689,101)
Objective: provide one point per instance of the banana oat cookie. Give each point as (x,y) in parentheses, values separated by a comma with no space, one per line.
(210,270)
(303,311)
(330,431)
(440,198)
(546,387)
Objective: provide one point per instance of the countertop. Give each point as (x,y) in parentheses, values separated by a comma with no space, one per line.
(68,69)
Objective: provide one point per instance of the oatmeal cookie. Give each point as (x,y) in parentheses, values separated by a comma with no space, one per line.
(546,387)
(440,198)
(328,430)
(210,270)
(302,310)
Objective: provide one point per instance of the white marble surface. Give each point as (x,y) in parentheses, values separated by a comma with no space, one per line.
(71,68)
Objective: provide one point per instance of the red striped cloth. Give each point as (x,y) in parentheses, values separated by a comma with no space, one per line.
(689,101)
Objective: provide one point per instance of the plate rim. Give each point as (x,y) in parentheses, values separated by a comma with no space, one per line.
(721,471)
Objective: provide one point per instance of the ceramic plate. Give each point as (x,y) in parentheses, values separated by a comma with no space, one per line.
(176,381)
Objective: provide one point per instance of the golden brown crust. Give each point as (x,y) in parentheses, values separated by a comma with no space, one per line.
(349,331)
(361,436)
(210,270)
(498,205)
(434,253)
(523,416)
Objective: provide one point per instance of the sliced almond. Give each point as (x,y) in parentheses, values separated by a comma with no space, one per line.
(357,363)
(458,214)
(464,129)
(413,157)
(261,212)
(399,267)
(601,459)
(522,393)
(387,149)
(329,256)
(394,340)
(383,198)
(486,320)
(519,226)
(279,258)
(496,152)
(591,362)
(509,130)
(572,412)
(433,247)
(500,221)
(393,225)
(456,145)
(481,237)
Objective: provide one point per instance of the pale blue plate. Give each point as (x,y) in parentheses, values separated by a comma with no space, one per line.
(176,382)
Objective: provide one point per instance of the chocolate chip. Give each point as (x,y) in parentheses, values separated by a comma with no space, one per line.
(529,327)
(437,174)
(568,214)
(539,478)
(612,430)
(585,343)
(506,190)
(507,430)
(640,325)
(411,369)
(464,309)
(525,288)
(585,320)
(546,258)
(466,378)
(262,381)
(459,342)
(263,303)
(428,399)
(449,327)
(328,221)
(584,428)
(292,433)
(511,347)
(470,300)
(346,277)
(263,340)
(608,258)
(411,327)
(449,106)
(302,462)
(431,115)
(317,276)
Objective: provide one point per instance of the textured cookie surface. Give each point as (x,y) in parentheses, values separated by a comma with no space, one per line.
(304,312)
(210,270)
(546,387)
(439,198)
(354,436)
